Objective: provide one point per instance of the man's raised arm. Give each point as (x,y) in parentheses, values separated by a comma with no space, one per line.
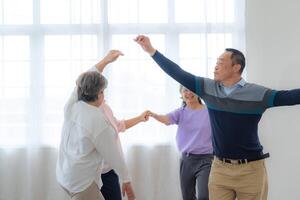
(186,79)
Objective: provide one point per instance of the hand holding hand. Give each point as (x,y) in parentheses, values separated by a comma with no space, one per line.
(145,116)
(152,114)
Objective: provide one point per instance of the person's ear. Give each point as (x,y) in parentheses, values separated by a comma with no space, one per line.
(237,68)
(100,95)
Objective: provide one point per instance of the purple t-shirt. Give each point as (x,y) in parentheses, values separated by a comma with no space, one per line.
(194,131)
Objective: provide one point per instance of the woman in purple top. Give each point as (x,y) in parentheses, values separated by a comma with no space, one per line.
(194,142)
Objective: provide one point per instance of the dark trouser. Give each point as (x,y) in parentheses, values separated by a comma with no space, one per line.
(194,171)
(111,186)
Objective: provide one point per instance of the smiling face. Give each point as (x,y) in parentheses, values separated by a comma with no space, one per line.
(188,96)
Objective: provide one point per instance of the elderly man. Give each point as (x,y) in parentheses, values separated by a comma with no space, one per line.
(235,109)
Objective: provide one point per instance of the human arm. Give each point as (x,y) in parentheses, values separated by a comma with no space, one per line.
(109,148)
(161,118)
(71,101)
(188,80)
(109,58)
(140,118)
(286,97)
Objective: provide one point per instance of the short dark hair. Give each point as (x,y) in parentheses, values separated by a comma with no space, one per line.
(89,84)
(237,57)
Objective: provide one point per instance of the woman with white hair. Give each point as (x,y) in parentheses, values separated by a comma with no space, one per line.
(88,140)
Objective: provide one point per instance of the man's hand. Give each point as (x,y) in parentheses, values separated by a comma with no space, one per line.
(128,190)
(145,43)
(112,56)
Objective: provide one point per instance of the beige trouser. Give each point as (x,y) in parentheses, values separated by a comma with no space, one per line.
(238,181)
(90,193)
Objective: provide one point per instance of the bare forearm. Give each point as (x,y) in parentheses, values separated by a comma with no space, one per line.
(109,58)
(162,118)
(132,122)
(101,65)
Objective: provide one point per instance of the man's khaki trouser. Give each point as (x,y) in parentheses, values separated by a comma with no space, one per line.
(90,193)
(242,181)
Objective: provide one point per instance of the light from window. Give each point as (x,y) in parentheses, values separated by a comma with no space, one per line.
(198,52)
(16,12)
(204,11)
(70,11)
(142,82)
(14,67)
(137,11)
(14,89)
(66,56)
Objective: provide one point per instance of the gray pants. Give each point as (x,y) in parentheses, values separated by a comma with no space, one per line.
(194,171)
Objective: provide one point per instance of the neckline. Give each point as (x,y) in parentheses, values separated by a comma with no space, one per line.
(202,108)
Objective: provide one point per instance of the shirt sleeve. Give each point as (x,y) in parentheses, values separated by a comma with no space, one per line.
(188,80)
(120,124)
(286,97)
(71,101)
(109,147)
(174,116)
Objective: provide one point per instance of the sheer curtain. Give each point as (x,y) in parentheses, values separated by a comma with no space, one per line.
(46,44)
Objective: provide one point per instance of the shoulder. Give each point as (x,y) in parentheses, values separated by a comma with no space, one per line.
(252,92)
(178,110)
(253,86)
(90,118)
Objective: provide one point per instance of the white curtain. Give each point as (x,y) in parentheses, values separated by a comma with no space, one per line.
(46,44)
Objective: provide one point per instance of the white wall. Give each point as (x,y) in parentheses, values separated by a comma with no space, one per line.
(273,56)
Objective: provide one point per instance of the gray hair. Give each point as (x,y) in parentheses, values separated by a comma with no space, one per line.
(89,84)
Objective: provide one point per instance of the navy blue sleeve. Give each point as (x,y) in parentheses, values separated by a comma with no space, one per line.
(188,80)
(287,97)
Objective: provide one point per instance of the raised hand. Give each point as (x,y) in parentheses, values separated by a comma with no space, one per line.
(145,43)
(112,56)
(128,190)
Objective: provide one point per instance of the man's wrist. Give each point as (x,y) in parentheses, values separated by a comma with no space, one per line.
(152,51)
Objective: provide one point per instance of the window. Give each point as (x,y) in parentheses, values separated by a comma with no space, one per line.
(14,89)
(46,44)
(137,11)
(70,11)
(16,12)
